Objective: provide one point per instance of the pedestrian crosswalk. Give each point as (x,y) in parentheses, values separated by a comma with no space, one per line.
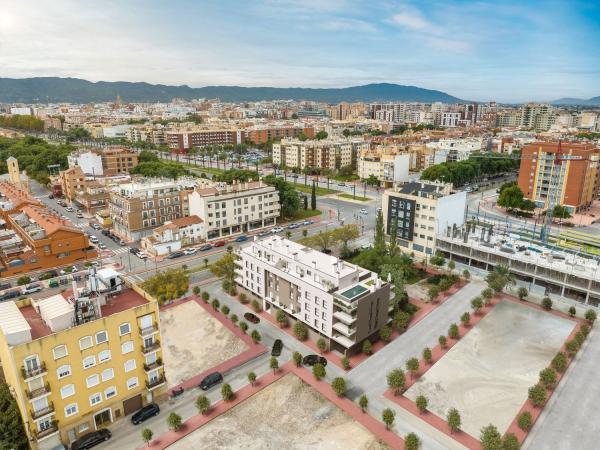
(120,251)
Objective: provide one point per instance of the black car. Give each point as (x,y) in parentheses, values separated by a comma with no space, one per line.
(91,439)
(211,380)
(175,255)
(134,250)
(205,247)
(150,410)
(251,318)
(311,360)
(10,295)
(105,232)
(277,346)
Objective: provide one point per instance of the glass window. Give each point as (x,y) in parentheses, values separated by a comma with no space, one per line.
(63,371)
(110,392)
(130,365)
(124,328)
(60,351)
(104,356)
(89,361)
(85,342)
(95,398)
(101,337)
(108,374)
(92,380)
(132,383)
(71,410)
(127,347)
(67,391)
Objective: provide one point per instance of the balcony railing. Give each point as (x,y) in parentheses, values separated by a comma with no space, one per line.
(149,330)
(45,389)
(151,348)
(29,373)
(155,365)
(156,383)
(43,412)
(53,428)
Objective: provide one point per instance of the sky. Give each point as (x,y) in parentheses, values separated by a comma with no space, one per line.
(507,51)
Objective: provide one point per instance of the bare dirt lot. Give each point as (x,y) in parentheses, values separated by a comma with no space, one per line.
(487,374)
(288,414)
(194,341)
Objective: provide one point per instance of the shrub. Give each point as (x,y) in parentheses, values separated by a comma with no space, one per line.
(490,438)
(525,421)
(453,419)
(251,378)
(234,318)
(572,347)
(385,333)
(297,358)
(451,265)
(572,311)
(537,395)
(281,317)
(466,274)
(300,330)
(547,303)
(226,392)
(367,347)
(421,402)
(321,345)
(443,341)
(255,336)
(396,381)
(363,402)
(388,417)
(579,338)
(412,365)
(273,364)
(510,442)
(339,386)
(215,304)
(465,319)
(243,326)
(23,280)
(559,362)
(548,378)
(401,321)
(477,304)
(196,290)
(590,316)
(202,404)
(205,297)
(411,441)
(174,421)
(255,305)
(345,363)
(318,371)
(225,310)
(585,329)
(147,435)
(427,356)
(453,331)
(242,297)
(522,293)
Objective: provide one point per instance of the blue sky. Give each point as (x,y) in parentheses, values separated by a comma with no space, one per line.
(480,50)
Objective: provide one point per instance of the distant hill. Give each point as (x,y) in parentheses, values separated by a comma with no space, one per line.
(594,101)
(54,89)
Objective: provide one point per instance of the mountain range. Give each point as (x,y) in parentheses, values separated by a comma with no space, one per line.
(75,90)
(594,101)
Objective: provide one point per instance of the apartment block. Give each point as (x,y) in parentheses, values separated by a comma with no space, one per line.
(263,134)
(229,209)
(32,237)
(79,361)
(183,140)
(108,161)
(574,181)
(323,154)
(538,117)
(387,168)
(137,207)
(422,211)
(338,301)
(174,235)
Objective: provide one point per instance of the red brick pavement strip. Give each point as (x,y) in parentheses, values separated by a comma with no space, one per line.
(438,352)
(253,351)
(348,406)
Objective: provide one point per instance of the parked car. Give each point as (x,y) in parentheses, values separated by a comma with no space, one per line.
(205,247)
(150,410)
(70,208)
(219,243)
(142,255)
(50,196)
(364,211)
(366,246)
(9,295)
(175,255)
(121,242)
(134,250)
(101,246)
(277,346)
(277,230)
(241,238)
(93,239)
(251,318)
(32,289)
(105,232)
(80,216)
(264,233)
(91,439)
(342,184)
(311,360)
(307,222)
(48,275)
(293,226)
(190,251)
(96,226)
(5,285)
(66,270)
(211,380)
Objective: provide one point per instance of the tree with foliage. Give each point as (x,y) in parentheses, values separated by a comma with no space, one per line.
(412,365)
(379,244)
(401,321)
(313,197)
(255,306)
(147,435)
(367,347)
(572,311)
(537,395)
(385,333)
(320,135)
(393,245)
(490,438)
(548,378)
(465,319)
(288,195)
(234,318)
(226,392)
(443,341)
(345,234)
(255,336)
(510,442)
(432,293)
(323,240)
(477,304)
(525,421)
(371,181)
(511,198)
(251,378)
(225,267)
(282,318)
(196,290)
(215,304)
(239,175)
(590,316)
(427,356)
(451,265)
(522,293)
(23,279)
(274,364)
(174,421)
(300,331)
(202,404)
(547,303)
(466,274)
(453,419)
(225,310)
(243,326)
(412,442)
(421,402)
(453,331)
(572,346)
(167,285)
(339,386)
(559,362)
(318,371)
(561,212)
(345,362)
(12,431)
(321,345)
(487,295)
(388,416)
(499,278)
(297,358)
(396,381)
(363,402)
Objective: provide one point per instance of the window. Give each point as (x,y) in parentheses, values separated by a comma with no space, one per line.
(110,392)
(132,383)
(95,398)
(101,337)
(71,410)
(85,342)
(92,380)
(108,374)
(84,427)
(104,356)
(89,361)
(130,365)
(63,371)
(67,391)
(60,352)
(127,347)
(124,328)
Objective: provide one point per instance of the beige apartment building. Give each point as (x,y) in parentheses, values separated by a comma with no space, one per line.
(229,209)
(330,154)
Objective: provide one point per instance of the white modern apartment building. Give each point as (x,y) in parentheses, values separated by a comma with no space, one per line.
(423,210)
(229,209)
(324,154)
(338,301)
(387,168)
(457,149)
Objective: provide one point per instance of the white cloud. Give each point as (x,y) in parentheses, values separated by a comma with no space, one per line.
(411,18)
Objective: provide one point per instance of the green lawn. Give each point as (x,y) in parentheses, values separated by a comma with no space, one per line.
(308,189)
(351,197)
(303,214)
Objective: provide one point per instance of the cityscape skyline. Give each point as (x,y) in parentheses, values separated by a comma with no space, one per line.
(519,53)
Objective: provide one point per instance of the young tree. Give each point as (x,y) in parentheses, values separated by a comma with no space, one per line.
(225,310)
(379,244)
(225,268)
(215,304)
(548,378)
(282,319)
(367,347)
(385,333)
(339,386)
(401,320)
(572,346)
(487,295)
(318,371)
(453,331)
(443,341)
(313,197)
(196,290)
(255,305)
(363,402)
(12,431)
(465,319)
(147,435)
(453,419)
(547,303)
(559,362)
(255,336)
(522,293)
(242,297)
(274,364)
(590,316)
(572,311)
(226,392)
(421,402)
(510,442)
(451,265)
(411,442)
(466,275)
(477,304)
(321,345)
(432,293)
(345,362)
(202,404)
(388,417)
(243,326)
(396,381)
(537,395)
(251,378)
(205,297)
(525,421)
(234,318)
(297,357)
(427,355)
(490,438)
(174,421)
(300,331)
(412,365)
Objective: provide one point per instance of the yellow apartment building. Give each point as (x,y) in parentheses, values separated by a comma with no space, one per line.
(78,361)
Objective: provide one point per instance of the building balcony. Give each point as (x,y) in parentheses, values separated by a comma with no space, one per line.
(42,412)
(344,329)
(39,392)
(154,347)
(344,317)
(155,384)
(30,373)
(50,431)
(155,365)
(147,331)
